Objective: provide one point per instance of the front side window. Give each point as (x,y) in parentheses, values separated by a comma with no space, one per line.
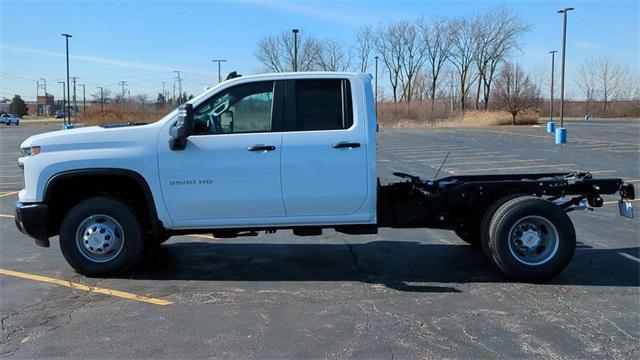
(240,109)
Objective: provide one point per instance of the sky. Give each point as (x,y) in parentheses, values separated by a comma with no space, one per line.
(144,42)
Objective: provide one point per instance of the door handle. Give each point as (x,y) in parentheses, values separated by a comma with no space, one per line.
(261,148)
(344,144)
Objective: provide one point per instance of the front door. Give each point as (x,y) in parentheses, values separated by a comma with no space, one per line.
(229,172)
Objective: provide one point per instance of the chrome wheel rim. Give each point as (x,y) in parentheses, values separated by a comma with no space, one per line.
(100,238)
(533,240)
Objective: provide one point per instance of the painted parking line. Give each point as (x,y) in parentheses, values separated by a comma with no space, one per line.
(7,216)
(495,161)
(616,201)
(517,167)
(78,286)
(8,193)
(465,157)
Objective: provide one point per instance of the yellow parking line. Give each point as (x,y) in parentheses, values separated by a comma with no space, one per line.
(209,237)
(6,216)
(77,286)
(18,183)
(8,193)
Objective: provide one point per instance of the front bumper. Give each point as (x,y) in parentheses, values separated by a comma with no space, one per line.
(31,219)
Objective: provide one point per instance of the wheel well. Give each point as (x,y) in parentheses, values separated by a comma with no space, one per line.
(66,190)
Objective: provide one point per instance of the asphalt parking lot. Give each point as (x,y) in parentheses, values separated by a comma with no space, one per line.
(398,294)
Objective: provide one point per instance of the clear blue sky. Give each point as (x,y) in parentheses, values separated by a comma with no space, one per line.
(141,42)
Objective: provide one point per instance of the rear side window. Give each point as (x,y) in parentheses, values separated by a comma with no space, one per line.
(323,105)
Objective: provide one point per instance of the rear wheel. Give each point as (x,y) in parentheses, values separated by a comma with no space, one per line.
(531,239)
(101,236)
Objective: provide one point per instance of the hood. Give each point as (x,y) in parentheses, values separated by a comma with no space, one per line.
(92,137)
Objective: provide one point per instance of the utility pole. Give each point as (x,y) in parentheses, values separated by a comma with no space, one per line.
(164,98)
(75,104)
(101,98)
(68,112)
(553,57)
(44,84)
(63,101)
(564,51)
(219,75)
(179,87)
(122,83)
(173,97)
(295,49)
(83,101)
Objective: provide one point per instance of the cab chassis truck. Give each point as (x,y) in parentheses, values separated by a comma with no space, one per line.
(268,152)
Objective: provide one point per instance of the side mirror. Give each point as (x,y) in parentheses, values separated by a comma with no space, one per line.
(182,129)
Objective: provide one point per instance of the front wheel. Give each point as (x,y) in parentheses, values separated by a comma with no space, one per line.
(531,239)
(101,236)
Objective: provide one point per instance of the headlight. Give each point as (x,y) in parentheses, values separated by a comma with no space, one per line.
(33,150)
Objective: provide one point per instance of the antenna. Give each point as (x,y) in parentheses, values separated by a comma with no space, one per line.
(441,165)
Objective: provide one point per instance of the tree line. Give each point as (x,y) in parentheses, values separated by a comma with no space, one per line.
(422,60)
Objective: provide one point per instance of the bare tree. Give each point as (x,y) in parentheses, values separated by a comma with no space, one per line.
(587,81)
(436,36)
(515,91)
(365,44)
(497,34)
(276,53)
(389,44)
(412,59)
(610,77)
(331,56)
(463,55)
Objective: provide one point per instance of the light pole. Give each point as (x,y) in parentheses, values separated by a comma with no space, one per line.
(64,119)
(295,49)
(68,112)
(561,136)
(551,126)
(219,61)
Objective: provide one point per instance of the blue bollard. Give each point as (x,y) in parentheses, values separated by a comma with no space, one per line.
(551,127)
(561,136)
(67,126)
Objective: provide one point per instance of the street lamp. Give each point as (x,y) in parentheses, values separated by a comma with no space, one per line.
(68,112)
(551,126)
(295,49)
(561,135)
(219,61)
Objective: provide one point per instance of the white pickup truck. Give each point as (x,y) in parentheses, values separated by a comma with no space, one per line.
(279,151)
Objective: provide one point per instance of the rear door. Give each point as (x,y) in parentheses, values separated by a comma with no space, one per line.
(324,158)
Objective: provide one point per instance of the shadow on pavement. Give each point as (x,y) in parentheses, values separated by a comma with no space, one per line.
(395,264)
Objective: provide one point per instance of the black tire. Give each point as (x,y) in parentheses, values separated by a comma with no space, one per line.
(551,258)
(483,231)
(129,252)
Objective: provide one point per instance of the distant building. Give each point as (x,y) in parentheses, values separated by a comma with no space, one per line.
(44,106)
